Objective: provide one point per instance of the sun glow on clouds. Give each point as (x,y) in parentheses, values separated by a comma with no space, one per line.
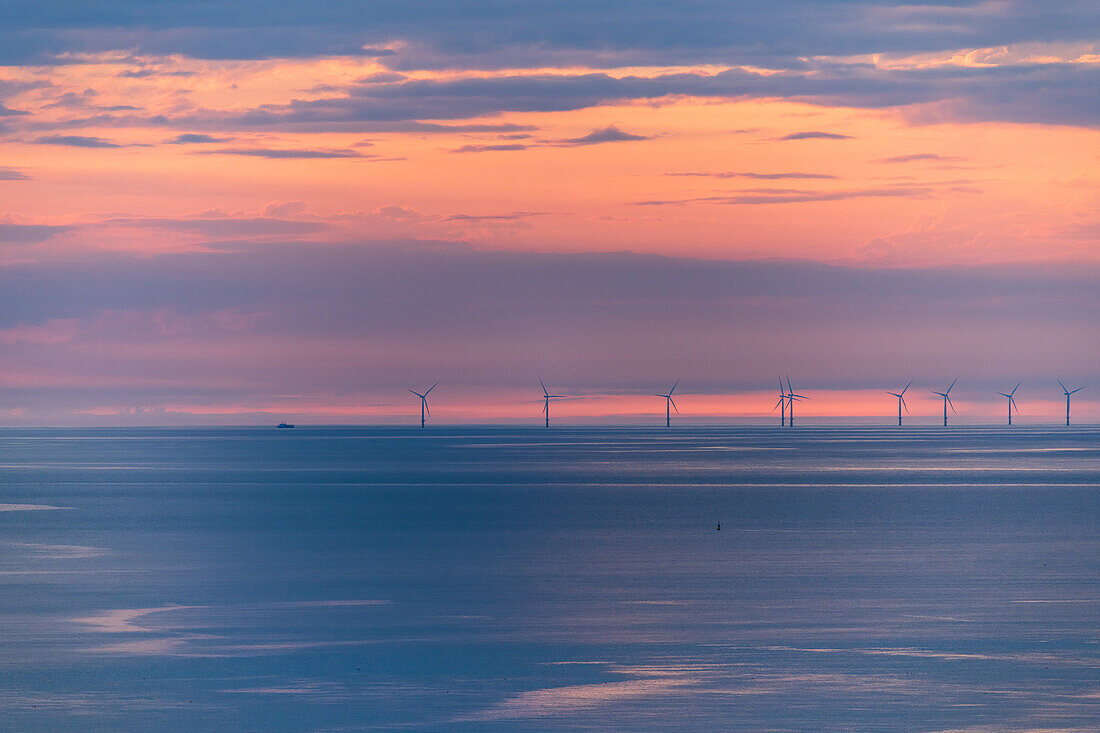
(859,151)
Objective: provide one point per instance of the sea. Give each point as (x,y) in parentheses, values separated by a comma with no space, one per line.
(529,579)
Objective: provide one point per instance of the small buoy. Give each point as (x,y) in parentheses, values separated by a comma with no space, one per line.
(719,526)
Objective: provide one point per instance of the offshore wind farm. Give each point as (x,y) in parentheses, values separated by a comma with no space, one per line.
(787,398)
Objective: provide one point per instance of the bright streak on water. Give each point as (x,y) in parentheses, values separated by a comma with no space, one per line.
(565,579)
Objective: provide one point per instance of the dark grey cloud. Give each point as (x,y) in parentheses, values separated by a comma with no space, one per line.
(11,174)
(196,138)
(491,33)
(815,135)
(76,141)
(919,157)
(757,176)
(609,134)
(1046,93)
(498,147)
(1052,93)
(285,154)
(8,112)
(153,71)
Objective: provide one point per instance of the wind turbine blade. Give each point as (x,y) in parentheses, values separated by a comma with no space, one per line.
(1002,394)
(674,386)
(781,386)
(894,393)
(660,395)
(1077,390)
(905,405)
(673,403)
(1012,401)
(427,409)
(789,388)
(952,385)
(907,386)
(951,403)
(1016,387)
(543,386)
(416,393)
(431,388)
(777,404)
(1062,386)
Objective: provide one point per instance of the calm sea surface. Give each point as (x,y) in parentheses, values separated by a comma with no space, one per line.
(508,579)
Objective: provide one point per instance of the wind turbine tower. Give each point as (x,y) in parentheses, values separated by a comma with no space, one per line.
(947,401)
(424,402)
(791,397)
(546,397)
(1068,393)
(782,405)
(901,401)
(1011,401)
(670,404)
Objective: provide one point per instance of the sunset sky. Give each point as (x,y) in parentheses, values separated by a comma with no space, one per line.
(219,211)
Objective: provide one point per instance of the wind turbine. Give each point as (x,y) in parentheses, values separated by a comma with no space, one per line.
(424,402)
(1011,401)
(782,405)
(791,397)
(546,397)
(947,401)
(669,403)
(901,401)
(1068,393)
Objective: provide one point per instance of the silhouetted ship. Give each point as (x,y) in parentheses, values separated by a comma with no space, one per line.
(284,425)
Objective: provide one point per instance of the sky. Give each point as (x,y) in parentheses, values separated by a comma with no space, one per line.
(211,213)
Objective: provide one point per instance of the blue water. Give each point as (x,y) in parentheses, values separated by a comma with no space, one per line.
(503,579)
